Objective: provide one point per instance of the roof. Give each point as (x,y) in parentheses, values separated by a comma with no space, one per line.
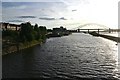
(14,25)
(3,23)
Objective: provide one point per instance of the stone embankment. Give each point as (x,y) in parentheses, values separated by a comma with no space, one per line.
(116,39)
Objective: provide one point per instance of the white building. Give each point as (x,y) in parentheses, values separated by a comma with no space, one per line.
(8,26)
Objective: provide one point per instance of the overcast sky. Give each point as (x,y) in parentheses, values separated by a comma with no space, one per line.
(67,13)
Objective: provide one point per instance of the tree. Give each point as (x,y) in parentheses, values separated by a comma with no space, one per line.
(26,32)
(36,32)
(43,32)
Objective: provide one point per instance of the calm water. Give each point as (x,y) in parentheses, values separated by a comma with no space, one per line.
(77,56)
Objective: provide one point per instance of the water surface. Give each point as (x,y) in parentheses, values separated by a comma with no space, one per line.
(77,56)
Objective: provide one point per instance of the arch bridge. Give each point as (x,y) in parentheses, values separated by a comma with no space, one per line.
(92,27)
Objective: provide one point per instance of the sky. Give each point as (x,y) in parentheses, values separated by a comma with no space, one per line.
(66,13)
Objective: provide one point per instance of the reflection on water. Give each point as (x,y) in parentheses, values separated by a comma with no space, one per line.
(78,56)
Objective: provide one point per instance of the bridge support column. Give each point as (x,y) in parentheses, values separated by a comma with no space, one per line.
(109,30)
(98,31)
(88,30)
(78,30)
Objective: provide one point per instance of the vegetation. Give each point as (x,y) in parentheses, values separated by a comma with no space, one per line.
(28,34)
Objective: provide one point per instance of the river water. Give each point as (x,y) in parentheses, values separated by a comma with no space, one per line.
(77,57)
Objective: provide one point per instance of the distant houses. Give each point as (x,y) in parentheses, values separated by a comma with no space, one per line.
(9,26)
(58,32)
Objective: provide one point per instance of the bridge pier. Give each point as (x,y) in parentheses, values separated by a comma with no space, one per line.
(88,30)
(98,31)
(109,30)
(78,30)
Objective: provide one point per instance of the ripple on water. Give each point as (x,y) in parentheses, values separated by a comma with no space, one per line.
(76,57)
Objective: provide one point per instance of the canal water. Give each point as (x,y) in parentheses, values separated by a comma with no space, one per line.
(77,56)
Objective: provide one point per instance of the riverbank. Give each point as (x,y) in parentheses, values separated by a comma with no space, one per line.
(58,35)
(14,48)
(26,36)
(20,46)
(116,39)
(11,48)
(113,38)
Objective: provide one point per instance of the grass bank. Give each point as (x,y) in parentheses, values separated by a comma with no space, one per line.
(20,46)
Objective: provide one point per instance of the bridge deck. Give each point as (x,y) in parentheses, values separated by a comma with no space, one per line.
(91,29)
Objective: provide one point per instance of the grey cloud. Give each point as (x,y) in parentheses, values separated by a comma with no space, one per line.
(26,16)
(15,21)
(62,18)
(74,10)
(46,18)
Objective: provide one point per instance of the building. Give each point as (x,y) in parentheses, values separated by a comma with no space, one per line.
(8,26)
(59,31)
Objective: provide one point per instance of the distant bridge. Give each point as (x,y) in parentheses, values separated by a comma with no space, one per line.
(93,24)
(92,27)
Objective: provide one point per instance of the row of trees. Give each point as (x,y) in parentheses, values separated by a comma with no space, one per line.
(27,33)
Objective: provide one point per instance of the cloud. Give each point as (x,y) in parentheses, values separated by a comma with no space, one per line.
(74,10)
(26,16)
(62,18)
(15,21)
(46,18)
(14,5)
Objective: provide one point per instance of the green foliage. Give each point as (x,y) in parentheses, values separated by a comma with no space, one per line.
(43,32)
(27,33)
(9,33)
(36,32)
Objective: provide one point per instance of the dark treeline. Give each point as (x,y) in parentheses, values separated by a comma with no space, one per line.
(29,32)
(27,35)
